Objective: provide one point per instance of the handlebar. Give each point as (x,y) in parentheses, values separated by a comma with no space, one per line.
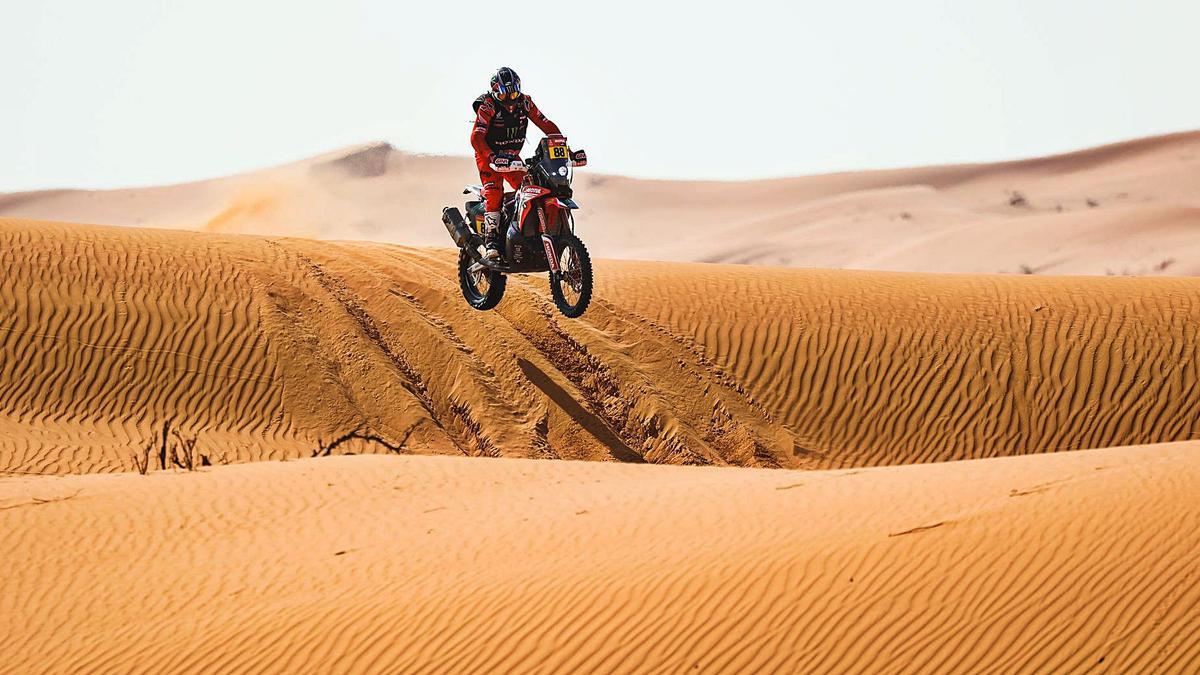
(517,164)
(511,168)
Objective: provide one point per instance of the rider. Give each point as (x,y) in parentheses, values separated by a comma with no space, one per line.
(501,118)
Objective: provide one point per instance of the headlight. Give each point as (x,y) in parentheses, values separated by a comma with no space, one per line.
(562,170)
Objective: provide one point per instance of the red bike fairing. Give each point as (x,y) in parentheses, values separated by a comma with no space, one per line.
(526,200)
(496,130)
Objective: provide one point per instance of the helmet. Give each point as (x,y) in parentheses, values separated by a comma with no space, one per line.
(506,87)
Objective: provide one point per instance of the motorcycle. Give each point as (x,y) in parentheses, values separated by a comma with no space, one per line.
(539,233)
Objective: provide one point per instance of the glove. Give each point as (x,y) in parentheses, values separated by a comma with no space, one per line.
(579,158)
(504,161)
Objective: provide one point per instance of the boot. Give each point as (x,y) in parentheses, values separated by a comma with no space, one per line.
(491,232)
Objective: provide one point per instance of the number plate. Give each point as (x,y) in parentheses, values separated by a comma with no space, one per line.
(558,152)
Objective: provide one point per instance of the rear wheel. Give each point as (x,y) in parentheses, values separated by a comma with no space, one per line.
(571,286)
(482,288)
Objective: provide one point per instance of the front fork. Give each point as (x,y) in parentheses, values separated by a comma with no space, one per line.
(547,242)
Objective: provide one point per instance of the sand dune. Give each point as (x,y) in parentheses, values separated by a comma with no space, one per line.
(1046,563)
(885,556)
(1125,209)
(870,368)
(261,348)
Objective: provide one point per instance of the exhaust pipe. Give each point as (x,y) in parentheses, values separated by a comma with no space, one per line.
(456,226)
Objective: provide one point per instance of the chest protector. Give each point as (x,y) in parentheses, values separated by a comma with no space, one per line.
(507,131)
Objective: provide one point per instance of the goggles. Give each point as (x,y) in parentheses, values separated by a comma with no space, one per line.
(508,95)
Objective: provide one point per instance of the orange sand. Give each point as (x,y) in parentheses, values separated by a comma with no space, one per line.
(1048,563)
(938,527)
(261,347)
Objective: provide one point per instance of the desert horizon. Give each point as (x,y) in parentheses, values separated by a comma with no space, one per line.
(976,218)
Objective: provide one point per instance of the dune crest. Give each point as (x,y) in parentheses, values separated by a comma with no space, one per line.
(1127,208)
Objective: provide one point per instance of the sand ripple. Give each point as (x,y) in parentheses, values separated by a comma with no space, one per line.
(263,348)
(1046,563)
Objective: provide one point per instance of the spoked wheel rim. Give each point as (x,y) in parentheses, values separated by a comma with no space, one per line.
(570,276)
(481,287)
(480,280)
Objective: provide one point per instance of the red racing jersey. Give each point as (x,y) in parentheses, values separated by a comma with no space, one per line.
(498,130)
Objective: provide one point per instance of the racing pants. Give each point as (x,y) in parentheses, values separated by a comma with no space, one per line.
(493,183)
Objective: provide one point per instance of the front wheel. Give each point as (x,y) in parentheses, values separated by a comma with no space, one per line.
(571,286)
(482,288)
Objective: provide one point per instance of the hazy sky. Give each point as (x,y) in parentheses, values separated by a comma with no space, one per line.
(129,92)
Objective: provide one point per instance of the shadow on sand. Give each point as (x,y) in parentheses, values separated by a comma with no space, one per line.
(586,419)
